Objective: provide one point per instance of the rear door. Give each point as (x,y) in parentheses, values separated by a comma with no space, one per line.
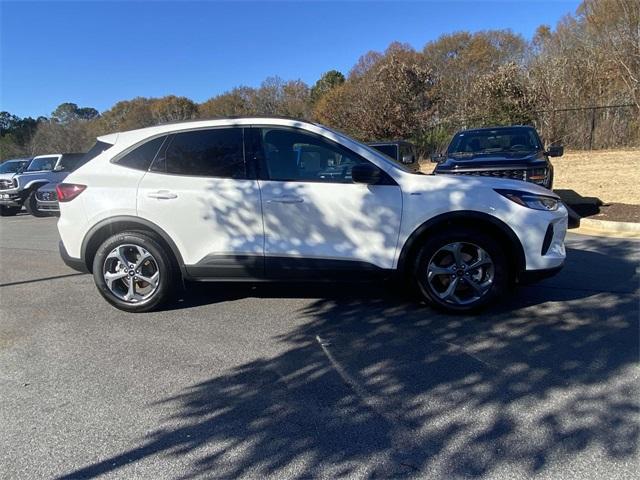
(202,193)
(317,222)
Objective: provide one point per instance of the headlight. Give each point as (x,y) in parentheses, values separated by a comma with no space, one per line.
(531,200)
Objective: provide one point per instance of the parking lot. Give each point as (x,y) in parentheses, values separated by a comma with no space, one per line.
(293,381)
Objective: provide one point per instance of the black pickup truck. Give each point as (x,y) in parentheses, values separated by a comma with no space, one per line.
(514,152)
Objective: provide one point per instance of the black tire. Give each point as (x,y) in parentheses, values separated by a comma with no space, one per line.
(6,211)
(31,205)
(165,268)
(434,246)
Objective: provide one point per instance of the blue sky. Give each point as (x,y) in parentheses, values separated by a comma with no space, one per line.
(96,53)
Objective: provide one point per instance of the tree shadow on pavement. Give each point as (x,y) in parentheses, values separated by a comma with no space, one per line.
(372,385)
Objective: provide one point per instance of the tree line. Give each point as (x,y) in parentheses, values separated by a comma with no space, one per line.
(461,80)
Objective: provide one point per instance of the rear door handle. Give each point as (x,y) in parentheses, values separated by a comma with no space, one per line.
(162,195)
(286,199)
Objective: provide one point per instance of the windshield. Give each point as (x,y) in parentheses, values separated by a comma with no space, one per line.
(509,140)
(42,163)
(12,166)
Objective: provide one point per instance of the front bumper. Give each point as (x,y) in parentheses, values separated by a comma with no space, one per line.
(532,276)
(75,263)
(11,199)
(48,206)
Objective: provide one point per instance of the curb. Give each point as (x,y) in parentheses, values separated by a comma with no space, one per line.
(609,226)
(606,228)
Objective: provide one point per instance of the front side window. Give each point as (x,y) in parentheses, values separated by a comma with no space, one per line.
(141,157)
(218,152)
(295,155)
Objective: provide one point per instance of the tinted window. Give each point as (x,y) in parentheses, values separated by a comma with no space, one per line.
(299,156)
(141,157)
(388,150)
(71,161)
(43,163)
(207,153)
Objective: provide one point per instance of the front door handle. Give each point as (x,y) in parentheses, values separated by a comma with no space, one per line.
(286,199)
(162,195)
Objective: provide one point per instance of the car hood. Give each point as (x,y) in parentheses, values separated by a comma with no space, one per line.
(461,183)
(6,176)
(489,161)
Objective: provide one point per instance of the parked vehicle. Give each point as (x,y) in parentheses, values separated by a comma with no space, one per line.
(514,152)
(21,190)
(400,150)
(228,200)
(8,170)
(46,196)
(47,199)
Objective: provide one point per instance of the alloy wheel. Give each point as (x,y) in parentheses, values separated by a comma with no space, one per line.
(460,273)
(131,273)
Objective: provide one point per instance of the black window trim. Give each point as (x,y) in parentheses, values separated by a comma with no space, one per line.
(258,159)
(249,172)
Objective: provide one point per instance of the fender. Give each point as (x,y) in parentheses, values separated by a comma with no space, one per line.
(38,182)
(460,217)
(131,220)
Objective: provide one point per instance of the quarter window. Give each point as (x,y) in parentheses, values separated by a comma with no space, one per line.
(141,157)
(294,155)
(217,152)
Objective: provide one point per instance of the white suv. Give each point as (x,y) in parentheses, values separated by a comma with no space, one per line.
(279,199)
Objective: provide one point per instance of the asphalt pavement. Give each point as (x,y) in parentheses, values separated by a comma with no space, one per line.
(327,381)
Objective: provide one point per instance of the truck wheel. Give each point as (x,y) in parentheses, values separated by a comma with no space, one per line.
(31,204)
(8,211)
(461,270)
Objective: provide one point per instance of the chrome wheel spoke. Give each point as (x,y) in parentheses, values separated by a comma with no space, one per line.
(118,255)
(435,270)
(481,261)
(451,290)
(110,277)
(131,292)
(144,255)
(152,280)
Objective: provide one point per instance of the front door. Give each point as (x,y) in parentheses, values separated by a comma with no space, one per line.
(317,221)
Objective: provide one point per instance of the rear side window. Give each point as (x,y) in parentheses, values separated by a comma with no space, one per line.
(217,152)
(141,157)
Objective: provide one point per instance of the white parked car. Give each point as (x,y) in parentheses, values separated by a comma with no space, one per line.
(277,199)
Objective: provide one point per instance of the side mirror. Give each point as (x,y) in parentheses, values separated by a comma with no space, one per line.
(58,168)
(408,159)
(437,157)
(366,173)
(556,151)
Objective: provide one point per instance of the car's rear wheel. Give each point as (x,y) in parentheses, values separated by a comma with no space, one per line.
(6,211)
(133,272)
(31,205)
(461,270)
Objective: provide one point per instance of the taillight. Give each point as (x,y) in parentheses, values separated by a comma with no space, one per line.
(68,191)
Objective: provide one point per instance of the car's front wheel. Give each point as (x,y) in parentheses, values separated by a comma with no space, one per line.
(133,272)
(461,270)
